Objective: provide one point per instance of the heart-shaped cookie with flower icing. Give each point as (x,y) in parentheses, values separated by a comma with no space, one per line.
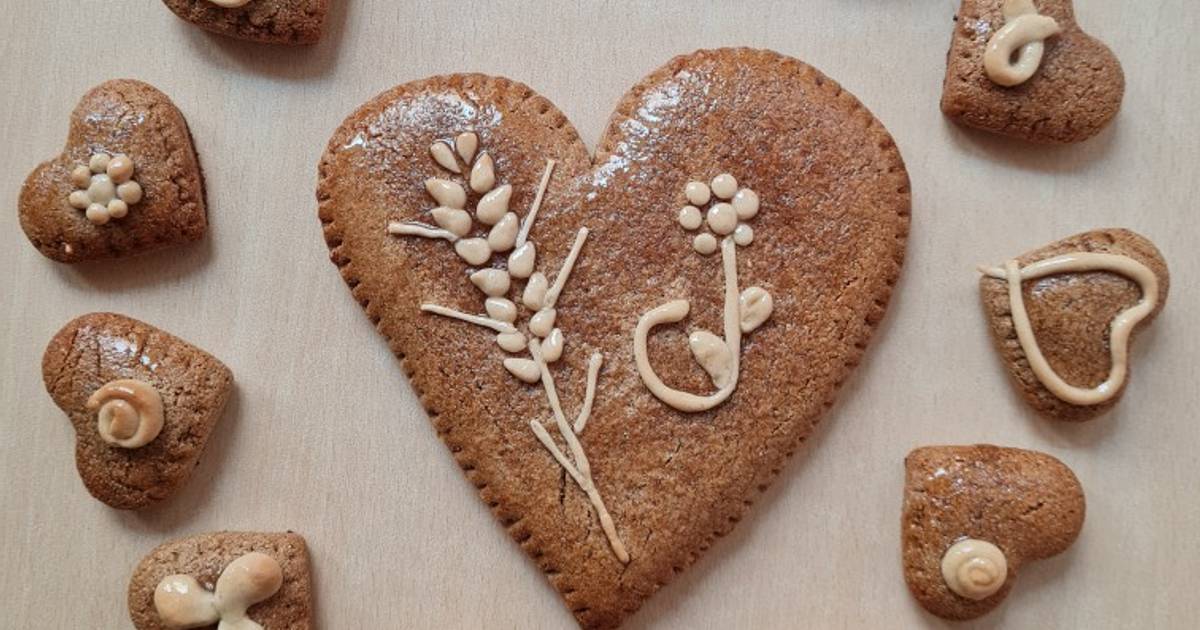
(621,351)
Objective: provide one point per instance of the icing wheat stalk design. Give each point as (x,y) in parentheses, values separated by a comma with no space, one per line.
(544,346)
(743,312)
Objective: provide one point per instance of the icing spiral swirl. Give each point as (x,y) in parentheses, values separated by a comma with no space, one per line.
(129,412)
(974,569)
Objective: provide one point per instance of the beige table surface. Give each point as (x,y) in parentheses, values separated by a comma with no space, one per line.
(324,435)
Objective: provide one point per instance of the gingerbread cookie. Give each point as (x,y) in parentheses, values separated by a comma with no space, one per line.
(1063,317)
(974,515)
(555,311)
(268,21)
(242,580)
(1025,68)
(143,404)
(127,182)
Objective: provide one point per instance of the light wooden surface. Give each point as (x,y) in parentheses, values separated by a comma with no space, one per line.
(325,437)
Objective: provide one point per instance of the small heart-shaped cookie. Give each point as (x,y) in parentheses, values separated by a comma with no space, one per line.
(1075,88)
(197,581)
(973,515)
(143,404)
(268,21)
(1065,334)
(735,190)
(127,182)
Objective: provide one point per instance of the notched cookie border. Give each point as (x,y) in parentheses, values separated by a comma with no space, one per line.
(785,67)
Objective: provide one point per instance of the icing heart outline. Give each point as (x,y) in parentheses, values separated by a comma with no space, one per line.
(831,180)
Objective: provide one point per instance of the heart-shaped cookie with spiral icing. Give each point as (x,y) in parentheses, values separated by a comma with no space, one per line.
(621,351)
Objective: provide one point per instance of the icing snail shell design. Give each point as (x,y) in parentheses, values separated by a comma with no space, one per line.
(975,569)
(129,412)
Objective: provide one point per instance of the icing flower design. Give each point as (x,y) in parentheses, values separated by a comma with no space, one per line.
(182,602)
(541,339)
(129,413)
(104,187)
(743,313)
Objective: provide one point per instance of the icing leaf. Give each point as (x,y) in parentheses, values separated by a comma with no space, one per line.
(713,355)
(755,306)
(524,369)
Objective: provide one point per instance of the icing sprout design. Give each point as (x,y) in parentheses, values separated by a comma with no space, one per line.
(542,341)
(1022,35)
(743,313)
(104,187)
(182,602)
(1120,330)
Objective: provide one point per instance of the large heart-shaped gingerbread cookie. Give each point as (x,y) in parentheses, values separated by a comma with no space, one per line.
(791,252)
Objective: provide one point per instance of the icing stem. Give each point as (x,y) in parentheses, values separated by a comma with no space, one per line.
(582,468)
(412,228)
(675,311)
(593,374)
(531,216)
(478,320)
(568,265)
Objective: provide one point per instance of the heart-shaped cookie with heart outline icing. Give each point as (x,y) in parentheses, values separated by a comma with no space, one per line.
(1065,86)
(808,206)
(1063,317)
(117,121)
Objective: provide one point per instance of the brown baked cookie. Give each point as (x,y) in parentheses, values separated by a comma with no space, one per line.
(1085,297)
(293,22)
(1073,92)
(127,182)
(264,577)
(973,515)
(143,403)
(737,190)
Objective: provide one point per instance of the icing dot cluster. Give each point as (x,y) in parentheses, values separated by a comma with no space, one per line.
(104,187)
(728,207)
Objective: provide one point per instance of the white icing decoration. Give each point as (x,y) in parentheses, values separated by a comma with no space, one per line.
(483,174)
(473,250)
(493,282)
(504,234)
(535,292)
(446,193)
(974,569)
(539,295)
(1120,330)
(501,308)
(455,221)
(689,218)
(697,193)
(522,260)
(745,203)
(129,413)
(181,602)
(492,207)
(719,356)
(230,4)
(466,143)
(1023,33)
(444,156)
(552,347)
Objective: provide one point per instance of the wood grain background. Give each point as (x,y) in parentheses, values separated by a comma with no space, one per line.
(325,437)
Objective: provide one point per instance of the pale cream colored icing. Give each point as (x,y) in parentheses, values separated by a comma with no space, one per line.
(539,295)
(1022,34)
(1120,330)
(444,156)
(129,412)
(252,578)
(974,569)
(698,193)
(719,356)
(494,205)
(690,218)
(483,173)
(104,188)
(230,4)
